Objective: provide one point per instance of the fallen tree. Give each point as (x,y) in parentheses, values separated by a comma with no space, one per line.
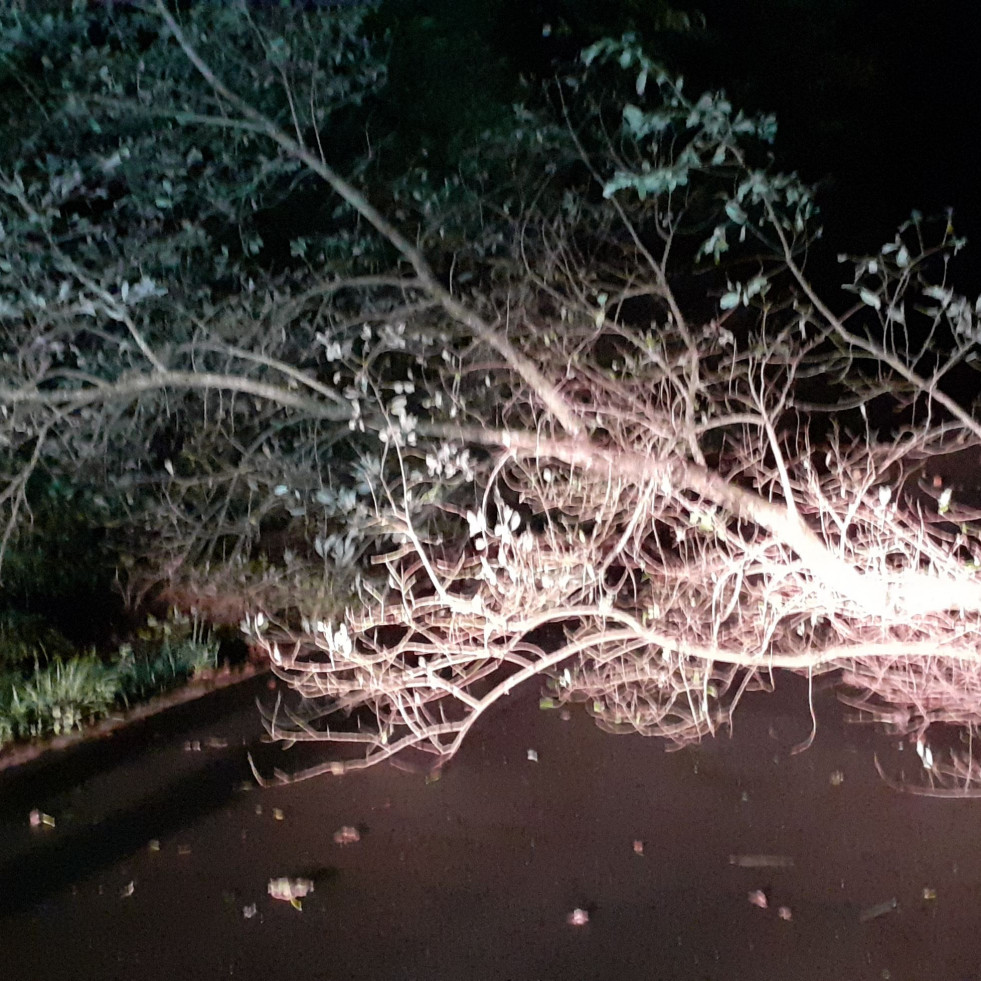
(614,437)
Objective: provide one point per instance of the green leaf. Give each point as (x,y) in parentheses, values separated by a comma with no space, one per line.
(870,299)
(633,119)
(939,293)
(735,213)
(714,245)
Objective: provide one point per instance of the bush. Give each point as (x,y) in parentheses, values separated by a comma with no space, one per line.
(61,697)
(47,691)
(59,568)
(6,722)
(150,672)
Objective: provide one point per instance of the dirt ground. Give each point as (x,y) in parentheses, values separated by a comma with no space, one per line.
(158,864)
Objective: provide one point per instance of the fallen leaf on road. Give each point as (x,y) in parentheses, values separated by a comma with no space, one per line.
(874,912)
(761,861)
(290,890)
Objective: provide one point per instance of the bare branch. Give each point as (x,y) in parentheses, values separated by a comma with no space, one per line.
(486,332)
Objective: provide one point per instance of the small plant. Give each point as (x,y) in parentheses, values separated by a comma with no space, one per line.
(166,653)
(45,689)
(195,656)
(7,733)
(61,697)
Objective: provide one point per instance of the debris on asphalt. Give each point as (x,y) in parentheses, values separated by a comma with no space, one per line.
(881,909)
(638,846)
(784,912)
(346,835)
(290,890)
(578,917)
(757,897)
(532,756)
(38,819)
(127,890)
(762,861)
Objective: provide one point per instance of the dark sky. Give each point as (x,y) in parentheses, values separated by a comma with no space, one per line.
(885,98)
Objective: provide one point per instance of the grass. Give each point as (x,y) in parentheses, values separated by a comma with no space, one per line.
(60,567)
(149,672)
(47,688)
(62,696)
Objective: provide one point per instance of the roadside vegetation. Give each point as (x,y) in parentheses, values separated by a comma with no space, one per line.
(48,687)
(557,399)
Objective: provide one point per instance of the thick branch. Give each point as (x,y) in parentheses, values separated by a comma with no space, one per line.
(909,594)
(126,388)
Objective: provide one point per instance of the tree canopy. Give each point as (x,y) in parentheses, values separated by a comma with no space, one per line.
(566,405)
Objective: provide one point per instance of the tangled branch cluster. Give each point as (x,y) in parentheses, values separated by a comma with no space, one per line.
(671,587)
(590,449)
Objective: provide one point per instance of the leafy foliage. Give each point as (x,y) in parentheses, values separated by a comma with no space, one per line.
(48,688)
(62,696)
(164,655)
(127,239)
(582,384)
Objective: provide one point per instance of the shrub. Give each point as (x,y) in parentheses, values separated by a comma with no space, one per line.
(148,672)
(61,697)
(45,690)
(6,723)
